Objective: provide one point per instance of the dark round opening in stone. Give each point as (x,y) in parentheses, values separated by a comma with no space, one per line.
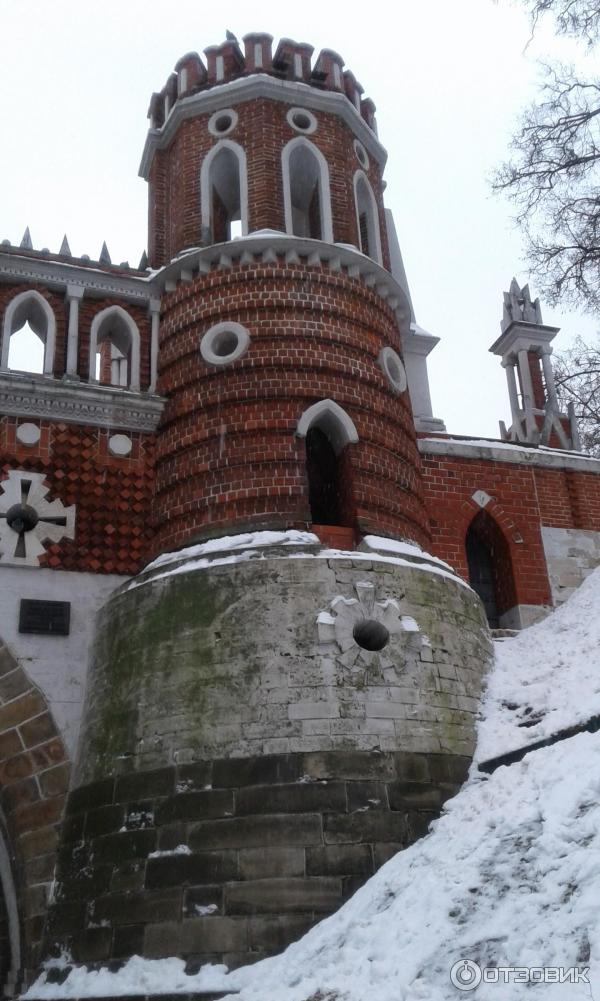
(371,635)
(301,121)
(21,518)
(225,343)
(223,122)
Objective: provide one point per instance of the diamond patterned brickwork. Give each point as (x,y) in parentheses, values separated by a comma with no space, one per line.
(111,493)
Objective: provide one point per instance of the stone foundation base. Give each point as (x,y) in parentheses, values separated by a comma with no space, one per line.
(231,860)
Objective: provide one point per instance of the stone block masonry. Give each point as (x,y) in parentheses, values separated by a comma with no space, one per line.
(245,762)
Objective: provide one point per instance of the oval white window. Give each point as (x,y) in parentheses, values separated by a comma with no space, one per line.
(361,154)
(302,120)
(224,343)
(392,366)
(222,122)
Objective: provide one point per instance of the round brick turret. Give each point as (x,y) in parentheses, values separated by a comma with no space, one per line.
(278,175)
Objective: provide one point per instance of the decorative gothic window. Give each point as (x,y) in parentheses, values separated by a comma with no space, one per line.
(307,198)
(367,220)
(328,430)
(29,334)
(224,193)
(115,349)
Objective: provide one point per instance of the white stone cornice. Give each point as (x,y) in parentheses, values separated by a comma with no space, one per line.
(501,451)
(25,395)
(249,88)
(267,245)
(60,276)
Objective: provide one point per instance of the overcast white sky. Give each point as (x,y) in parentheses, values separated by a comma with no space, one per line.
(448,79)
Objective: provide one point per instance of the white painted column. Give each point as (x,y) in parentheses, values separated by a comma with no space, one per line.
(513,392)
(549,378)
(527,387)
(154,307)
(74,295)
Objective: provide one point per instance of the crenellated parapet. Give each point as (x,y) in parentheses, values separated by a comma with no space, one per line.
(227,62)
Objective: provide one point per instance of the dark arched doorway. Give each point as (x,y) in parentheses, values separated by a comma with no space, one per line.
(490,567)
(324,479)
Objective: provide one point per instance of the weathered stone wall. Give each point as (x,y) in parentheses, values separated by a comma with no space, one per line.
(571,555)
(245,763)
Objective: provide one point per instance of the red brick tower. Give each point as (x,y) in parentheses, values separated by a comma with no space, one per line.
(280,346)
(270,712)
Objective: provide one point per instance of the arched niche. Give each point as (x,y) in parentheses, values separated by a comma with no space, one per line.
(31,309)
(490,567)
(367,217)
(328,430)
(115,335)
(223,192)
(306,192)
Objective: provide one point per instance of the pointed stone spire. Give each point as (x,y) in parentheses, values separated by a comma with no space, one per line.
(65,250)
(26,243)
(104,255)
(143,265)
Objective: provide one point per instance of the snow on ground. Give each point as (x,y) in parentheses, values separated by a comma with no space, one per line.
(508,876)
(547,678)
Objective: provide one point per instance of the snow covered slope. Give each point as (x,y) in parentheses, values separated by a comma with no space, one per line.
(508,877)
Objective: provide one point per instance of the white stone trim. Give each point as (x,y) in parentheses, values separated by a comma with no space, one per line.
(329,416)
(212,122)
(361,154)
(501,451)
(324,190)
(133,380)
(251,88)
(356,265)
(211,357)
(205,170)
(58,275)
(49,337)
(312,121)
(373,215)
(392,367)
(26,395)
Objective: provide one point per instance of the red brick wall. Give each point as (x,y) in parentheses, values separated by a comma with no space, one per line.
(113,495)
(227,454)
(523,499)
(262,131)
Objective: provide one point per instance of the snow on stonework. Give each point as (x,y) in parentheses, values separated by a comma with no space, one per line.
(508,876)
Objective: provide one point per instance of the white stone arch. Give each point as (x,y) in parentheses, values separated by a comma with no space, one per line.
(30,307)
(366,205)
(227,183)
(311,153)
(333,420)
(117,325)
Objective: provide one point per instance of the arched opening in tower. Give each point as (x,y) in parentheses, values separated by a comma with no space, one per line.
(329,475)
(490,567)
(305,191)
(225,199)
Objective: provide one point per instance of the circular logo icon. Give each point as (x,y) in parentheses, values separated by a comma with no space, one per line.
(465,975)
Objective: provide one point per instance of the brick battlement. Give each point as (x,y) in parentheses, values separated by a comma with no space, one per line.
(226,62)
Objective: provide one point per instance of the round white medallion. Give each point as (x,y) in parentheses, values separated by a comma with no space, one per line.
(222,122)
(302,120)
(361,154)
(224,343)
(120,444)
(28,434)
(391,364)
